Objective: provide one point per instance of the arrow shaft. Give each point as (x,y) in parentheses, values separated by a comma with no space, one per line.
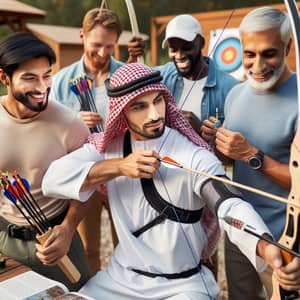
(233,183)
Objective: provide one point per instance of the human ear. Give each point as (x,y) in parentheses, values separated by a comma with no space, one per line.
(4,78)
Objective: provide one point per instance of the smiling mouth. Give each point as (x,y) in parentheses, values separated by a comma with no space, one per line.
(38,97)
(263,76)
(182,64)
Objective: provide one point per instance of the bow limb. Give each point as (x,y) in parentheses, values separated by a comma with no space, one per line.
(289,237)
(133,23)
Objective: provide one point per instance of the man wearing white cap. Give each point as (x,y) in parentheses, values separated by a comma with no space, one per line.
(156,209)
(198,87)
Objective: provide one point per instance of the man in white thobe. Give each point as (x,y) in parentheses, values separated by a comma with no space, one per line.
(156,209)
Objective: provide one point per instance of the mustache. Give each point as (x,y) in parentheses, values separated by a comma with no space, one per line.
(36,92)
(264,72)
(154,121)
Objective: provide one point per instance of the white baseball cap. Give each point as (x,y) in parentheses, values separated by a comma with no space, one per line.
(184,27)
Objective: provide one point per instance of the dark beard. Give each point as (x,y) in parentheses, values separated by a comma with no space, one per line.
(193,69)
(23,98)
(155,134)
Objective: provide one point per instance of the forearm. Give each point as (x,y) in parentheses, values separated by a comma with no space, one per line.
(102,172)
(76,212)
(247,243)
(140,164)
(278,172)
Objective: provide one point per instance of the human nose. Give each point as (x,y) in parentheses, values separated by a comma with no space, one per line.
(179,53)
(258,64)
(102,52)
(42,85)
(153,113)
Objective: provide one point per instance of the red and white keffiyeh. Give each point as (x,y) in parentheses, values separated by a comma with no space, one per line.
(116,124)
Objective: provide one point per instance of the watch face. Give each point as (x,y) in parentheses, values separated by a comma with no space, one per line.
(255,162)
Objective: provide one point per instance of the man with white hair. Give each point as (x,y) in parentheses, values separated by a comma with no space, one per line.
(156,210)
(260,124)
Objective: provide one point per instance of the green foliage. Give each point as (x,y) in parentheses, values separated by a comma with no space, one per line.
(3,90)
(71,12)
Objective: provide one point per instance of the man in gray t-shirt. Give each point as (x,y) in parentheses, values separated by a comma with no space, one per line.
(260,123)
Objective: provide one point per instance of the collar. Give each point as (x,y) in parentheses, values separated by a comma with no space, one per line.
(150,144)
(211,76)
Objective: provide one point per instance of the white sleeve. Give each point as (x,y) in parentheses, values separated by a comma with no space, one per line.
(247,243)
(66,175)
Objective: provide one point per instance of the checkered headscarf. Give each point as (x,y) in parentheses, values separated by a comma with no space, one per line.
(128,76)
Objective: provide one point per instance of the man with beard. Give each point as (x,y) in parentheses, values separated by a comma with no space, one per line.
(33,134)
(260,124)
(156,209)
(198,87)
(100,32)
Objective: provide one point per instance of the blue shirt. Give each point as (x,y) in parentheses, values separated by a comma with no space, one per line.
(60,88)
(268,120)
(215,90)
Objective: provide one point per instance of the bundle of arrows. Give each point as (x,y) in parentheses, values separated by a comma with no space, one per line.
(17,191)
(81,86)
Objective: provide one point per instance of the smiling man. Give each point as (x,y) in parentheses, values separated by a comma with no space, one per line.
(260,124)
(198,87)
(33,134)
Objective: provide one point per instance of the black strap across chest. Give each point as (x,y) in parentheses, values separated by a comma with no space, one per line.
(165,209)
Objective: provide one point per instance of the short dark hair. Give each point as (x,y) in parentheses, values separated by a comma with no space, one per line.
(20,47)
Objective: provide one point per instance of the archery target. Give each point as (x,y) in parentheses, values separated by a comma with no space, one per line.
(226,51)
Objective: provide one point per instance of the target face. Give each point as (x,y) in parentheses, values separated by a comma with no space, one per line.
(226,51)
(228,55)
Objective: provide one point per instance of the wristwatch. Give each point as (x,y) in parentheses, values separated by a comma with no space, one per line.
(256,161)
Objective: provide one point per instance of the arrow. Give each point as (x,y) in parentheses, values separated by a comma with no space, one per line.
(172,162)
(238,224)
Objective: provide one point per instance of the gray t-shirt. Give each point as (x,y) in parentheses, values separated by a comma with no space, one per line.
(268,120)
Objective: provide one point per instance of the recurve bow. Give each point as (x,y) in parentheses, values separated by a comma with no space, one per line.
(290,236)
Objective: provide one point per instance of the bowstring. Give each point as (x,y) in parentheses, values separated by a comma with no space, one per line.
(188,242)
(237,3)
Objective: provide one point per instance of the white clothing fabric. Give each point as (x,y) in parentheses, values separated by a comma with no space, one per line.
(192,90)
(102,102)
(169,247)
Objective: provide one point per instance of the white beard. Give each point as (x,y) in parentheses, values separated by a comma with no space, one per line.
(267,84)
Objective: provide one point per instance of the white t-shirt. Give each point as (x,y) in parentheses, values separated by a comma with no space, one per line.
(191,96)
(102,102)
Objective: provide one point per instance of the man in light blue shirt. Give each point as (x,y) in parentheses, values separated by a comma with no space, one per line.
(260,124)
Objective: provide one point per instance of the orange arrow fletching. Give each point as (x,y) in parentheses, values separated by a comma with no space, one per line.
(168,160)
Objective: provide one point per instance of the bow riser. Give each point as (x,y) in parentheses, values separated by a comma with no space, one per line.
(289,237)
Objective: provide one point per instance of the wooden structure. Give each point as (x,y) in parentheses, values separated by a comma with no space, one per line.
(209,21)
(67,44)
(14,14)
(11,269)
(65,41)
